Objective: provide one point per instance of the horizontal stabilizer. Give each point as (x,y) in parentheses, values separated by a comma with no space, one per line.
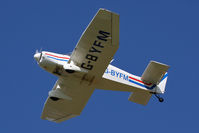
(154,72)
(141,97)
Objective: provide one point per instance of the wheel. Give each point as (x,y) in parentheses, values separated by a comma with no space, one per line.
(161,99)
(54,98)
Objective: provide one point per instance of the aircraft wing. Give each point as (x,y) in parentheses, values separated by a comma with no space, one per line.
(98,43)
(72,99)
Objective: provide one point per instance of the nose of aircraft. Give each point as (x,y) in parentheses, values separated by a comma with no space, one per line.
(37,56)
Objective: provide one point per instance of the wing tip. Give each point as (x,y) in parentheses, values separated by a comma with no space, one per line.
(106,10)
(156,62)
(61,119)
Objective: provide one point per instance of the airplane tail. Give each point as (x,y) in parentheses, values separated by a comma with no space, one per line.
(156,74)
(162,85)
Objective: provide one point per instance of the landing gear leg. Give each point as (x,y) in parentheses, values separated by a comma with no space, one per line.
(159,98)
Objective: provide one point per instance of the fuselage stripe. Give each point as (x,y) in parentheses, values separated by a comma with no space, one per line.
(143,85)
(57,56)
(150,88)
(164,76)
(139,81)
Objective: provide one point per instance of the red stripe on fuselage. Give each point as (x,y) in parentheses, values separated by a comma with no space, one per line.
(139,81)
(56,56)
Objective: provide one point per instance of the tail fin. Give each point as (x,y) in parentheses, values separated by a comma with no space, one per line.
(162,85)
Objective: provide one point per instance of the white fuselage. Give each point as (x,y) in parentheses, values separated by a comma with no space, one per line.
(112,79)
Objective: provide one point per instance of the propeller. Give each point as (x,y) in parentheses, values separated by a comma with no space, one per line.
(40,50)
(36,51)
(38,55)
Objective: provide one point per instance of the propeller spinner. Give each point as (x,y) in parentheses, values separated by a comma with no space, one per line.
(38,55)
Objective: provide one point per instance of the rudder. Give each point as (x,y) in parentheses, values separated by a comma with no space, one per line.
(162,85)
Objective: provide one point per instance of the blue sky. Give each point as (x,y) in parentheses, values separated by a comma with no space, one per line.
(165,31)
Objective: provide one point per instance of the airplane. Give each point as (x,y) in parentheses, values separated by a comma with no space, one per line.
(89,67)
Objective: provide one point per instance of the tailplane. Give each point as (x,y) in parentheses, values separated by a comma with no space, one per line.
(140,97)
(156,74)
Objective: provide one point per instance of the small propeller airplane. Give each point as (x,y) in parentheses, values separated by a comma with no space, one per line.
(88,67)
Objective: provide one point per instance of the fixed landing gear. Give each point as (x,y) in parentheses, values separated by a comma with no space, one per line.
(159,98)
